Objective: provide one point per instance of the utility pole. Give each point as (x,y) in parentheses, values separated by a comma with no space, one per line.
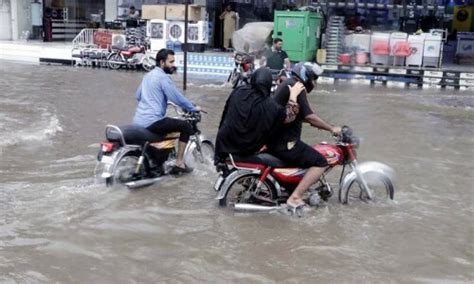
(185,63)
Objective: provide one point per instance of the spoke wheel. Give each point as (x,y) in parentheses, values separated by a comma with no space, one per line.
(148,63)
(235,79)
(244,190)
(125,170)
(380,186)
(114,57)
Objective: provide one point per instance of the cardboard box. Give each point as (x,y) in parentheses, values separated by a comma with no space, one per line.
(176,13)
(150,12)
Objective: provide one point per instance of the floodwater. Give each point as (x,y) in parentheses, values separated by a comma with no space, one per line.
(59,224)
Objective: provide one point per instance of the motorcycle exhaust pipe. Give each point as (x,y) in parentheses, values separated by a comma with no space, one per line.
(247,207)
(117,62)
(142,183)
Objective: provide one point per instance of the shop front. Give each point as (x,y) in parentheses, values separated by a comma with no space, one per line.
(63,19)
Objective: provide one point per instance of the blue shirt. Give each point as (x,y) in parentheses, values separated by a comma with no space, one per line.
(153,95)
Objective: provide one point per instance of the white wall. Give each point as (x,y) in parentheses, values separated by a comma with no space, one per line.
(5,20)
(23,18)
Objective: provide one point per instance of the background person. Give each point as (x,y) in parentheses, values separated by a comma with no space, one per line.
(229,18)
(276,58)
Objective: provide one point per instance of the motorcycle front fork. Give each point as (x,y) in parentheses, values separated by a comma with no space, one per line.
(361,179)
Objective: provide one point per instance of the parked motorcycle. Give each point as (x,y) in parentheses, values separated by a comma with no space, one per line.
(131,57)
(136,157)
(263,182)
(244,67)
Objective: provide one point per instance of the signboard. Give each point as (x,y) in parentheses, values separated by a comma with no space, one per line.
(102,39)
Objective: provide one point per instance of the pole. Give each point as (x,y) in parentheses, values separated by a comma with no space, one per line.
(185,63)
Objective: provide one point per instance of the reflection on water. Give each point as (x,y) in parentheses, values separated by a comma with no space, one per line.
(59,225)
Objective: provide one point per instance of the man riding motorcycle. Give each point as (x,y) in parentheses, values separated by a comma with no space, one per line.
(286,144)
(153,94)
(250,116)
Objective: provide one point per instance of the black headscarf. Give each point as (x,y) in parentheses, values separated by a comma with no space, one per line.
(249,117)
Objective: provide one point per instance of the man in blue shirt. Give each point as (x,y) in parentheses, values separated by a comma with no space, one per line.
(153,94)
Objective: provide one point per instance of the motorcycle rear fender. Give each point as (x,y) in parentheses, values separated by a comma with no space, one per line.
(367,167)
(231,178)
(117,156)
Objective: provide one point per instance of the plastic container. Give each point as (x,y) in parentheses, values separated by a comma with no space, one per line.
(397,41)
(416,43)
(345,58)
(432,50)
(379,48)
(361,57)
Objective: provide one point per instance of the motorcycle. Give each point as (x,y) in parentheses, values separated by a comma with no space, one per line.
(131,57)
(244,67)
(278,76)
(135,157)
(263,182)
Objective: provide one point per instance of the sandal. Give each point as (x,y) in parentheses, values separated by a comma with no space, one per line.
(298,210)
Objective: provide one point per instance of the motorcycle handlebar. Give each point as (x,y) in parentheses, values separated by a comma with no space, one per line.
(190,115)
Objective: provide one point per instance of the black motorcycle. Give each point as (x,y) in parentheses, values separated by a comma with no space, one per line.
(136,157)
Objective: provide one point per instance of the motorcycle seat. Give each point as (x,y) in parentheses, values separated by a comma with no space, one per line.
(133,135)
(261,158)
(117,47)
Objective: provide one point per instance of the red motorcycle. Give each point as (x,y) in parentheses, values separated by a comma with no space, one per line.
(244,67)
(131,57)
(262,182)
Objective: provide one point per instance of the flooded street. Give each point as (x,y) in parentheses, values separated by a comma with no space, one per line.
(58,224)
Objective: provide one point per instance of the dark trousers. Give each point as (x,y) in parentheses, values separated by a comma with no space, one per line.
(169,125)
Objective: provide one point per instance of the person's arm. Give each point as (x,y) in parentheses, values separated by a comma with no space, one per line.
(234,15)
(292,107)
(222,16)
(173,94)
(318,122)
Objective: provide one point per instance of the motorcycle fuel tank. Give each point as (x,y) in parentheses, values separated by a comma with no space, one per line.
(332,153)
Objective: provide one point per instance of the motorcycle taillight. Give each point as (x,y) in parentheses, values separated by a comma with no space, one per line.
(107,147)
(246,67)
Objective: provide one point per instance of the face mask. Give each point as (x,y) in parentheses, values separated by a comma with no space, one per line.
(169,70)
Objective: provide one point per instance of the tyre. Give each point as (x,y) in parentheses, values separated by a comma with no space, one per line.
(235,79)
(203,157)
(148,63)
(242,190)
(381,188)
(124,171)
(115,57)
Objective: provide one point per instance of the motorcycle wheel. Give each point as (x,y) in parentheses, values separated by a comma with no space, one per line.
(114,57)
(381,187)
(125,170)
(205,156)
(235,79)
(148,63)
(241,189)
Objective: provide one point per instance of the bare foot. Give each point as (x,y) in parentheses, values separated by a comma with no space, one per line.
(295,202)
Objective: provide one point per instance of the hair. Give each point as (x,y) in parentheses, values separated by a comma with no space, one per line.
(277,40)
(162,55)
(132,7)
